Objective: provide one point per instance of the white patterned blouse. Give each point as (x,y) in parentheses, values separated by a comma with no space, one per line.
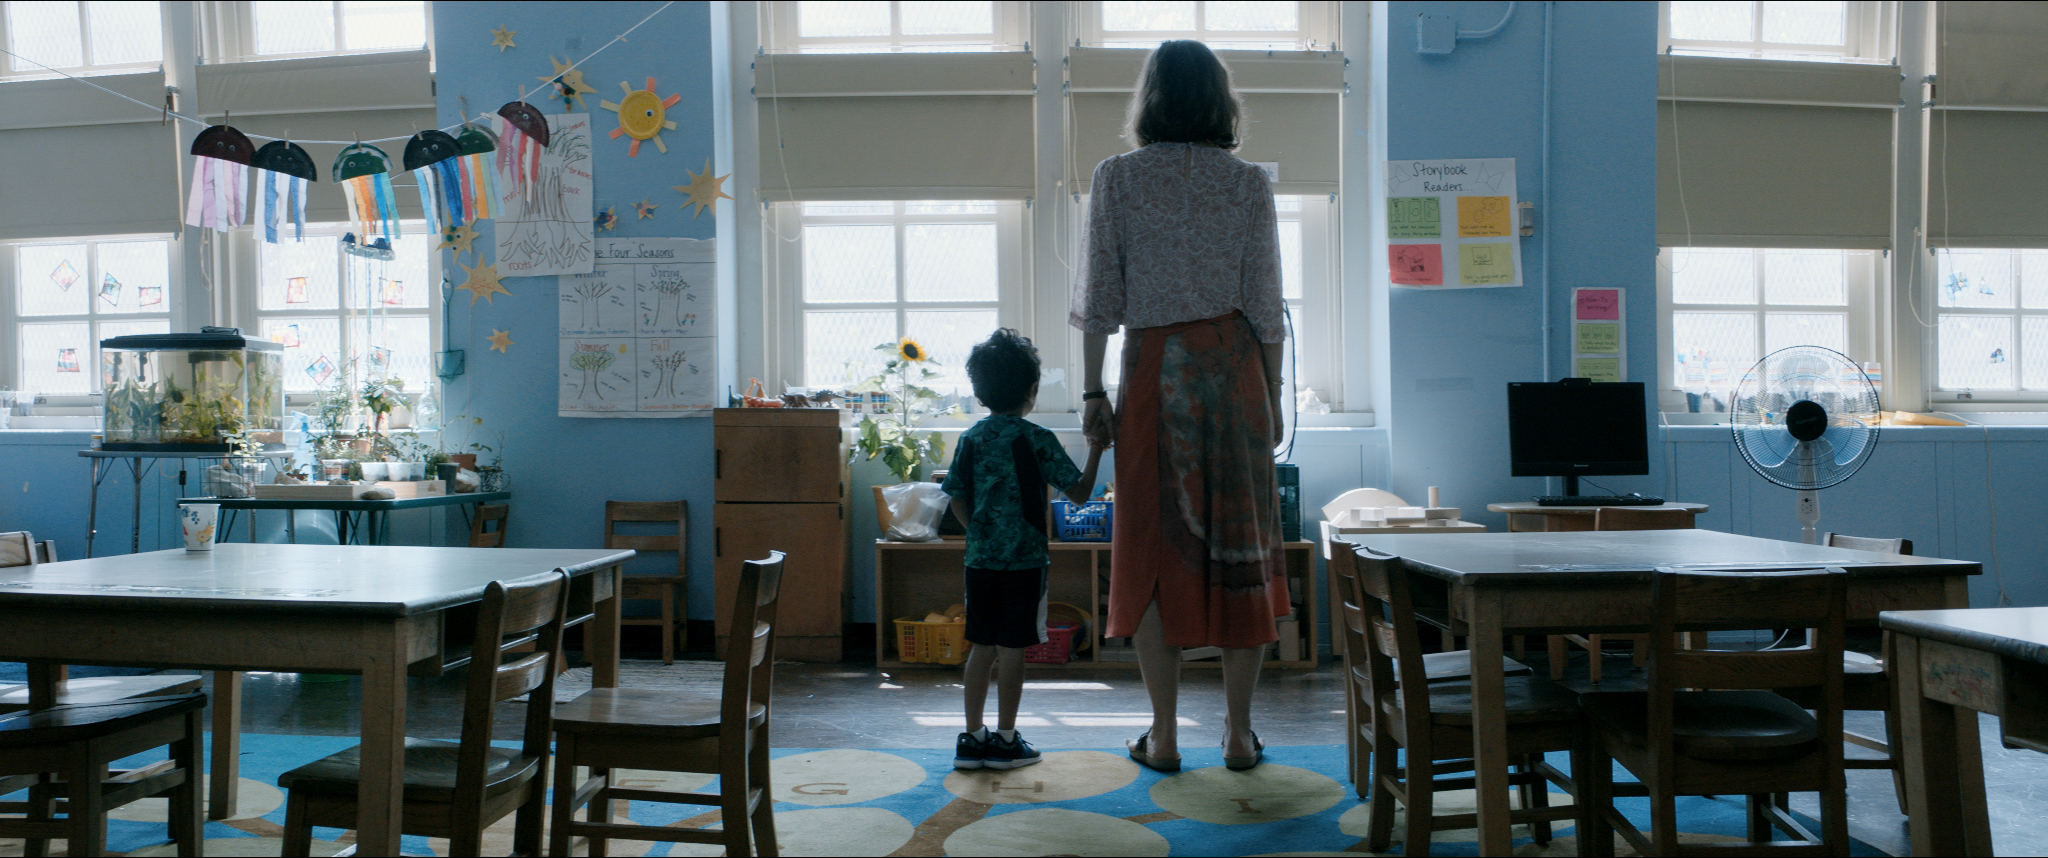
(1178,232)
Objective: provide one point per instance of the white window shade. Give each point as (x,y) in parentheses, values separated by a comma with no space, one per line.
(1985,174)
(1292,103)
(1991,54)
(1774,154)
(92,165)
(895,126)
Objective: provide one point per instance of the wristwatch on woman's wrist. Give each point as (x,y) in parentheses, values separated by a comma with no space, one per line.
(1094,394)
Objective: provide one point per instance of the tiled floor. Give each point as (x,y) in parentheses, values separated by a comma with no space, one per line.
(857,706)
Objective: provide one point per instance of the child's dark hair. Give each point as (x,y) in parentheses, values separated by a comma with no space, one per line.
(1003,369)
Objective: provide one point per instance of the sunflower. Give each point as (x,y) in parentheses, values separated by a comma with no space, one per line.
(909,350)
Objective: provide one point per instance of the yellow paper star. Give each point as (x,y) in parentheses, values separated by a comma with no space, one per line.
(501,38)
(569,85)
(483,283)
(501,341)
(704,189)
(460,237)
(646,208)
(605,220)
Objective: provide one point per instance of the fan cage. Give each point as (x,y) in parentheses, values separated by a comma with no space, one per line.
(1829,379)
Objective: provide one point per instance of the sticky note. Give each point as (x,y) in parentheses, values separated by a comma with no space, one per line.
(1598,305)
(1599,337)
(1486,264)
(1416,264)
(1414,217)
(1598,369)
(1483,217)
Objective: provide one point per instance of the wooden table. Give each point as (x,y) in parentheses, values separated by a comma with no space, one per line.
(1496,584)
(1532,517)
(915,578)
(377,513)
(1947,666)
(372,610)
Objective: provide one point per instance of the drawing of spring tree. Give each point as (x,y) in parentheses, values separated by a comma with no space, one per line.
(665,289)
(667,364)
(592,363)
(592,290)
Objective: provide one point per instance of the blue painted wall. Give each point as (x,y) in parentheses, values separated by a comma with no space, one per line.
(564,469)
(1454,351)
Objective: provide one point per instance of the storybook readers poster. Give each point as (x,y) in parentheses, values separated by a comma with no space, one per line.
(1451,224)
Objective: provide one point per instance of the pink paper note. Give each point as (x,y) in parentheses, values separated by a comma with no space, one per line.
(1599,305)
(1416,264)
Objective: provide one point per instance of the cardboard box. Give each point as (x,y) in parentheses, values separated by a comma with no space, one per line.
(352,491)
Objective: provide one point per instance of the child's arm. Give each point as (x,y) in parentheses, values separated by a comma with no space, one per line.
(961,510)
(1082,488)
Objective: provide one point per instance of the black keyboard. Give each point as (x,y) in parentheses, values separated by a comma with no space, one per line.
(1596,500)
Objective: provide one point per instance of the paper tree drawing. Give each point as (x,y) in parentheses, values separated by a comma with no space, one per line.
(669,290)
(667,365)
(591,363)
(591,291)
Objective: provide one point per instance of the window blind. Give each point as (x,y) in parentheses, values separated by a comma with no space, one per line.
(895,126)
(1985,174)
(1783,154)
(1292,104)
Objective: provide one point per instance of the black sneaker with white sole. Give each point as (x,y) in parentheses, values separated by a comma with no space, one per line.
(969,752)
(1010,754)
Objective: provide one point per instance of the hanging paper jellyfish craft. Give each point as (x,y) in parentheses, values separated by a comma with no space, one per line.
(479,181)
(522,134)
(364,173)
(284,173)
(431,157)
(218,196)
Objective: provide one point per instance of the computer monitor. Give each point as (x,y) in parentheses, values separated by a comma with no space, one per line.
(1577,428)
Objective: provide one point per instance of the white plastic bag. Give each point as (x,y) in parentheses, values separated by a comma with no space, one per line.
(914,510)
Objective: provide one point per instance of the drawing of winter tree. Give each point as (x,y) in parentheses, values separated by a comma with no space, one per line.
(592,290)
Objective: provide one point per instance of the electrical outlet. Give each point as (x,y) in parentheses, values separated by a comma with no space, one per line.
(1436,34)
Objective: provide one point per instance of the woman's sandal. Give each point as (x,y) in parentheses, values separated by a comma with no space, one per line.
(1140,750)
(1239,764)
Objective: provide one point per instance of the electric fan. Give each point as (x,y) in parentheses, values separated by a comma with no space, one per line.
(1805,418)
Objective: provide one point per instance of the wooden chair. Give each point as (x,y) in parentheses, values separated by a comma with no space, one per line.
(658,587)
(457,789)
(1433,721)
(1865,685)
(644,729)
(18,548)
(483,537)
(75,743)
(1616,518)
(1436,667)
(1737,736)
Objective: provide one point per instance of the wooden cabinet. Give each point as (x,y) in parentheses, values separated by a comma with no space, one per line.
(779,485)
(912,578)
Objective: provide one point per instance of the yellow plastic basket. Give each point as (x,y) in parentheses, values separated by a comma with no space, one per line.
(939,643)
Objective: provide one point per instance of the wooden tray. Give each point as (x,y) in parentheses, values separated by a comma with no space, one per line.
(353,491)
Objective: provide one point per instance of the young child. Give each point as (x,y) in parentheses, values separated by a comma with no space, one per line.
(1000,470)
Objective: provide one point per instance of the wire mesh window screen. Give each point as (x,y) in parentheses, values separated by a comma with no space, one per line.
(81,35)
(1992,333)
(306,289)
(71,294)
(1731,306)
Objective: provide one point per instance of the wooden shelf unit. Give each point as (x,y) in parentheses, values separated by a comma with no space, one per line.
(915,578)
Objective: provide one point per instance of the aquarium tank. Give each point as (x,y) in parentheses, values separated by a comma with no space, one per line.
(192,393)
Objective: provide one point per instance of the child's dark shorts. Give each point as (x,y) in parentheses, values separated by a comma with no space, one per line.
(1006,607)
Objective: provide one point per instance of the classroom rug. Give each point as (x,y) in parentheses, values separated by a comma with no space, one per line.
(912,803)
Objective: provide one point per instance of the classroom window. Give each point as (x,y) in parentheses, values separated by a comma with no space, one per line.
(87,36)
(338,314)
(1221,24)
(292,28)
(1991,327)
(1778,29)
(908,26)
(941,272)
(68,294)
(1726,308)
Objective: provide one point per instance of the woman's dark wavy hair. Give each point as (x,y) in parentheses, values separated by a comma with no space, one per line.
(1183,96)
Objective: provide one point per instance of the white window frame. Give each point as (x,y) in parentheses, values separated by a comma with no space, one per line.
(786,304)
(11,69)
(230,33)
(1866,268)
(1869,28)
(1964,398)
(1011,21)
(11,317)
(244,248)
(1317,23)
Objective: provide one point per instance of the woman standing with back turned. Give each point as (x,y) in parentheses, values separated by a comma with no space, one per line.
(1182,252)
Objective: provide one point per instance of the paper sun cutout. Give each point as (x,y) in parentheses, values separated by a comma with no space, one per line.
(501,38)
(642,116)
(483,283)
(501,341)
(645,208)
(704,189)
(460,237)
(568,84)
(606,219)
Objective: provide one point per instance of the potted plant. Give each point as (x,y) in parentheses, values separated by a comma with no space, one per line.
(893,434)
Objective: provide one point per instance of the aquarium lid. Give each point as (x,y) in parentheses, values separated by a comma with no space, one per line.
(215,338)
